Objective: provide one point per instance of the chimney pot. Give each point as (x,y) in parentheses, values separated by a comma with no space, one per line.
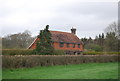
(73,30)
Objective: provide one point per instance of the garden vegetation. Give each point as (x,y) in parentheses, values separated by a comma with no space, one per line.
(22,61)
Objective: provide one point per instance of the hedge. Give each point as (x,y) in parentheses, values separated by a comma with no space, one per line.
(56,52)
(27,52)
(99,53)
(17,52)
(25,61)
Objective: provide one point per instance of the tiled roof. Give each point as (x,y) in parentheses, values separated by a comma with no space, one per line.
(58,36)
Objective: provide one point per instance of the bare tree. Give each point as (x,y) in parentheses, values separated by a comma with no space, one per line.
(112,37)
(19,40)
(113,28)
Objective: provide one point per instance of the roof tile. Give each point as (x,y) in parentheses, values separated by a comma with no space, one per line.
(58,36)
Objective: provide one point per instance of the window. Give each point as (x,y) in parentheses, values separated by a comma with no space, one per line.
(61,44)
(67,45)
(78,45)
(73,45)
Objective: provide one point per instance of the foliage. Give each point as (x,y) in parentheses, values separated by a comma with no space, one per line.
(99,53)
(111,42)
(55,52)
(17,52)
(44,45)
(108,42)
(58,52)
(99,40)
(91,71)
(112,28)
(20,61)
(19,40)
(94,44)
(93,47)
(84,40)
(112,38)
(28,52)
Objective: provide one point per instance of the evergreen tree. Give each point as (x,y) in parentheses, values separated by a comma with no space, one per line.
(84,40)
(111,42)
(90,40)
(103,36)
(44,45)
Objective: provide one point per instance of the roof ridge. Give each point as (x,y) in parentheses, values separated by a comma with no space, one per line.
(59,31)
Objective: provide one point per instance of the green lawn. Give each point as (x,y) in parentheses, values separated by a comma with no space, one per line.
(77,71)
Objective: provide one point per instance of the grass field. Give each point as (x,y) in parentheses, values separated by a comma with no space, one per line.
(78,71)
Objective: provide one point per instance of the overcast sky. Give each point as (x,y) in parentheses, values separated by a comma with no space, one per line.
(89,18)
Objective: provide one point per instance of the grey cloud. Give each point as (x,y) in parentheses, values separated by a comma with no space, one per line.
(106,10)
(90,19)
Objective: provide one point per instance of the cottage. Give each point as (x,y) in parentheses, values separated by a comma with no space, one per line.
(68,42)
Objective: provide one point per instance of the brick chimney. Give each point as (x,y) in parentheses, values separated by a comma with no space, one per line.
(73,30)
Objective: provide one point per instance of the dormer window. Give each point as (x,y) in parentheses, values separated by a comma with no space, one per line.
(67,45)
(61,44)
(73,45)
(78,45)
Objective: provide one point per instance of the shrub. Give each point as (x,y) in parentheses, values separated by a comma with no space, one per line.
(28,52)
(100,53)
(58,52)
(21,61)
(17,52)
(93,47)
